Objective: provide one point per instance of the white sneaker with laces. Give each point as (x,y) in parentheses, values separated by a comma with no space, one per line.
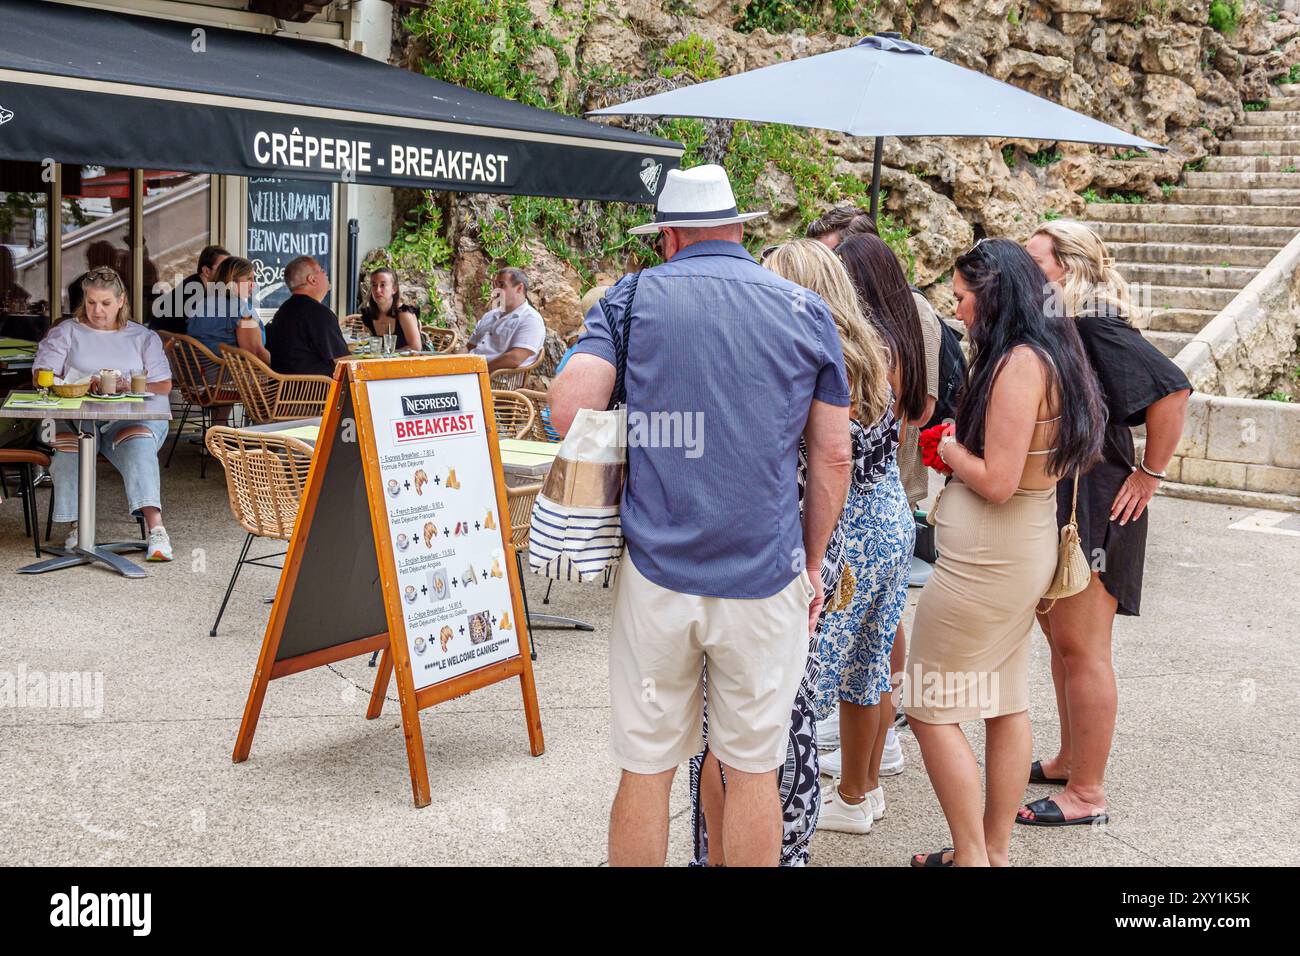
(841,817)
(892,760)
(828,731)
(877,800)
(159,547)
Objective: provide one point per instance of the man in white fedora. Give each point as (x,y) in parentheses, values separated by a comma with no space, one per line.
(712,577)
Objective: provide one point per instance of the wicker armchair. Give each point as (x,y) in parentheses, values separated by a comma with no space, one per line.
(514,414)
(271,397)
(442,340)
(520,501)
(542,428)
(201,377)
(265,477)
(515,378)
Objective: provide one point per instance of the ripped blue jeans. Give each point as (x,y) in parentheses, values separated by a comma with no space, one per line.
(136,459)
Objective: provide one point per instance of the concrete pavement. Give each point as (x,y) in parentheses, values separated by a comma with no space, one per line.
(1205,766)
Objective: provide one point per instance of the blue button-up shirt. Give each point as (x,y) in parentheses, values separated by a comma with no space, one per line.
(724,360)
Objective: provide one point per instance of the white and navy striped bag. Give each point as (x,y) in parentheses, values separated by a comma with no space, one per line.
(576,531)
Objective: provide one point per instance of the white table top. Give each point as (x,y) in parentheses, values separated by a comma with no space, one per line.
(153,408)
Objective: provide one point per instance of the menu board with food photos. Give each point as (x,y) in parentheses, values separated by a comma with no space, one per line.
(444,524)
(403,545)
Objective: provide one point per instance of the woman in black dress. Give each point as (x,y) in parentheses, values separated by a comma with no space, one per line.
(1140,386)
(385,313)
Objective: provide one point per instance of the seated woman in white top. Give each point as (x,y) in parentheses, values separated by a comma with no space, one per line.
(102,336)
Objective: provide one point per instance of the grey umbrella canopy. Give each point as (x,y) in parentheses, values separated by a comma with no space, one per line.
(881,86)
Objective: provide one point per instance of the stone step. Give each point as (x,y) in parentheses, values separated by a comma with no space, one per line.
(1160,274)
(1183,297)
(1243,180)
(1273,118)
(1189,321)
(1289,89)
(1189,253)
(1256,131)
(1287,101)
(1274,237)
(1195,195)
(1156,212)
(1171,343)
(1259,147)
(1251,164)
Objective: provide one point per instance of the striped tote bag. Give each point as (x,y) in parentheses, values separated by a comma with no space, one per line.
(575,531)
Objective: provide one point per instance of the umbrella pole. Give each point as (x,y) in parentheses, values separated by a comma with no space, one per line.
(875,177)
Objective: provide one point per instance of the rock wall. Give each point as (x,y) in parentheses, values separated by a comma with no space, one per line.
(1155,67)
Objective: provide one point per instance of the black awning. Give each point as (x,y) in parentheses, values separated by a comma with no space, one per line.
(80,85)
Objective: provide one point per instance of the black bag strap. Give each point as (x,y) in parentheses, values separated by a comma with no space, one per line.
(618,331)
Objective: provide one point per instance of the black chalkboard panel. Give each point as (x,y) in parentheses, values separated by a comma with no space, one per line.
(337,596)
(287,218)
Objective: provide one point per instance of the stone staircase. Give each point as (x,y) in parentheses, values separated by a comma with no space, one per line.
(1194,252)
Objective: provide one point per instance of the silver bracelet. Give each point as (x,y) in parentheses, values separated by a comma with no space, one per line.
(949,437)
(1154,474)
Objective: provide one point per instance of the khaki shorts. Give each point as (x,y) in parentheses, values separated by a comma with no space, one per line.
(754,650)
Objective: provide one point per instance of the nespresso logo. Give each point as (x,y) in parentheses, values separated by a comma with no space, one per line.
(430,404)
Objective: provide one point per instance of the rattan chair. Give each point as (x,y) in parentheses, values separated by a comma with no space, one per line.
(515,378)
(265,477)
(271,397)
(203,380)
(542,428)
(23,460)
(514,414)
(442,340)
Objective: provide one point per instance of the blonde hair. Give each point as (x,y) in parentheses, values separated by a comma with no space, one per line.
(1090,279)
(102,277)
(807,262)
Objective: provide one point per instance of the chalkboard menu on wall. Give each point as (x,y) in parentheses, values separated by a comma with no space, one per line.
(287,218)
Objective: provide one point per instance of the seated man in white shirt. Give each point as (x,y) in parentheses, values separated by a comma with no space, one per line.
(512,332)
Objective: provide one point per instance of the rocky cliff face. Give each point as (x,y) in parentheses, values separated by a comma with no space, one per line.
(1177,72)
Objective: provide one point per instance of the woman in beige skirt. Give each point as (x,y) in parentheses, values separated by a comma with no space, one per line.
(1030,413)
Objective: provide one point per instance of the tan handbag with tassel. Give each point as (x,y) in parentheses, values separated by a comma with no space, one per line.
(1072,571)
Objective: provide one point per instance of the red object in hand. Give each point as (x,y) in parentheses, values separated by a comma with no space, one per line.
(929,444)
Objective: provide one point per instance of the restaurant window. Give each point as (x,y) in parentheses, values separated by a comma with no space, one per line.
(24,248)
(177,225)
(96,228)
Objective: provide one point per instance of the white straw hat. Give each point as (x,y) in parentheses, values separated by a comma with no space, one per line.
(697,197)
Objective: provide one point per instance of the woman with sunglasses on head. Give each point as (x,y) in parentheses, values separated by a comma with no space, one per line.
(1139,386)
(101,336)
(1029,414)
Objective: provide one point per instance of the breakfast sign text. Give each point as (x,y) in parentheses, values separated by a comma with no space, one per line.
(421,566)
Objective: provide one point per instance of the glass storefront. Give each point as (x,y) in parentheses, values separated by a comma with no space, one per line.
(96,229)
(177,225)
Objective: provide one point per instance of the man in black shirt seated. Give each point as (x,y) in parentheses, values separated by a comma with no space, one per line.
(304,337)
(172,312)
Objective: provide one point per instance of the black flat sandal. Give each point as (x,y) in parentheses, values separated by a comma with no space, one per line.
(1048,814)
(1036,775)
(933,859)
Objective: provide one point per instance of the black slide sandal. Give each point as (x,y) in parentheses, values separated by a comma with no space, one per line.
(933,859)
(1048,814)
(1036,775)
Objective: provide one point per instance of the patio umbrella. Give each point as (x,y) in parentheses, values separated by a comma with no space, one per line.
(881,86)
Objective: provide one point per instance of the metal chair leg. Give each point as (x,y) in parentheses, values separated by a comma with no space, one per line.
(29,502)
(205,420)
(49,515)
(185,416)
(523,591)
(234,576)
(547,598)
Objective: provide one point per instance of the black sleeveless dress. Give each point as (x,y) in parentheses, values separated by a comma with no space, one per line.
(1134,375)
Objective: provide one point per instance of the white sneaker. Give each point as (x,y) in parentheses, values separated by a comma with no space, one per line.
(159,547)
(831,764)
(892,760)
(841,817)
(828,731)
(70,541)
(877,800)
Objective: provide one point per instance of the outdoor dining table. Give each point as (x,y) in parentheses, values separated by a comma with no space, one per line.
(82,412)
(519,459)
(16,354)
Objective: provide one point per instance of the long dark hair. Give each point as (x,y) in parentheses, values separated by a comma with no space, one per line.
(888,304)
(1011,309)
(397,293)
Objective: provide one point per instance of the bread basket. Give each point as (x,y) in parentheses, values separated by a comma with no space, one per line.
(71,391)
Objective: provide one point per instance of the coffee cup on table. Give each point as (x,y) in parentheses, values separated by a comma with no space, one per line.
(108,381)
(139,382)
